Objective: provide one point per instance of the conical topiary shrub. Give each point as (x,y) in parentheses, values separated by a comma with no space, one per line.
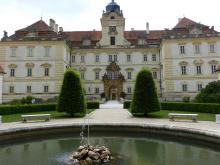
(71,99)
(145,99)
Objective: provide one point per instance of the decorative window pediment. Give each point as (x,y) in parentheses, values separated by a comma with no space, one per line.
(46,65)
(198,61)
(155,69)
(12,66)
(29,65)
(213,62)
(183,63)
(129,69)
(97,69)
(82,68)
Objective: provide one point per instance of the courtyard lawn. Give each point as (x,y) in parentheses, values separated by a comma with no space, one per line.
(54,115)
(163,114)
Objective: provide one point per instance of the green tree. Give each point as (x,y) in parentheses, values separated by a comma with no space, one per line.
(145,99)
(71,99)
(210,94)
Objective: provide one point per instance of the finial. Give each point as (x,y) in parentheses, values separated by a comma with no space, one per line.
(113,1)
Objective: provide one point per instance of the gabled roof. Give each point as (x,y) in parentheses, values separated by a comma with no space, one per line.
(81,35)
(37,26)
(1,70)
(186,22)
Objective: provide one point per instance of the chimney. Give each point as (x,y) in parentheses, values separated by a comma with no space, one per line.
(60,29)
(147,28)
(56,28)
(212,28)
(132,29)
(52,24)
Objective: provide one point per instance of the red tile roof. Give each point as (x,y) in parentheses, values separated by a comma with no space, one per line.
(186,22)
(1,70)
(80,35)
(37,26)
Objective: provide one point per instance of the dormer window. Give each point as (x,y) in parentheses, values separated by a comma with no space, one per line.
(141,42)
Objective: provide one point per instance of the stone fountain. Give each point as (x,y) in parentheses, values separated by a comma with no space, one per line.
(87,154)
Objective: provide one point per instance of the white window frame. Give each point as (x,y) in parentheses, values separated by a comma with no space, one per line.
(183,70)
(29,72)
(13,51)
(97,59)
(145,58)
(46,89)
(30,51)
(213,69)
(197,48)
(129,75)
(46,72)
(11,89)
(29,90)
(47,51)
(154,57)
(212,48)
(199,87)
(128,58)
(198,69)
(184,88)
(12,72)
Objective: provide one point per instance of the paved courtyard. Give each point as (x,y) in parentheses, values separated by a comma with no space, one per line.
(117,116)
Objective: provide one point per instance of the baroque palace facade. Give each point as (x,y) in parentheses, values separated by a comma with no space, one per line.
(183,59)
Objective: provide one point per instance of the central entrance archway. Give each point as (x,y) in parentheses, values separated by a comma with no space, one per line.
(113,82)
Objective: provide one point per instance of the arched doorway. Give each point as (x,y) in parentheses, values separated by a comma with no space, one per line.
(113,82)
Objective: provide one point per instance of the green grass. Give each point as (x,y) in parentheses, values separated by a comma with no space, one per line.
(163,114)
(54,115)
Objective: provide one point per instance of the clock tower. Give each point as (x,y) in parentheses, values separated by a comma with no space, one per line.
(113,26)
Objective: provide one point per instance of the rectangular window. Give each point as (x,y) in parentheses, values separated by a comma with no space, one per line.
(82,75)
(110,58)
(145,58)
(129,75)
(46,89)
(198,69)
(97,75)
(97,58)
(12,72)
(129,90)
(184,87)
(199,87)
(212,48)
(13,52)
(155,75)
(46,72)
(82,59)
(115,58)
(97,90)
(128,58)
(154,57)
(183,70)
(197,49)
(28,89)
(213,67)
(11,89)
(47,51)
(112,40)
(29,72)
(182,49)
(30,52)
(73,59)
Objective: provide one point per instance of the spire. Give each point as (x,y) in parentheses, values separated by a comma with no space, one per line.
(113,1)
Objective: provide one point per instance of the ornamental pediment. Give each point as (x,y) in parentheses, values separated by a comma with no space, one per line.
(97,69)
(183,63)
(46,65)
(154,69)
(12,66)
(82,68)
(198,61)
(29,65)
(213,62)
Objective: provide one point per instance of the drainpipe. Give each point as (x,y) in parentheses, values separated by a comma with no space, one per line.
(160,82)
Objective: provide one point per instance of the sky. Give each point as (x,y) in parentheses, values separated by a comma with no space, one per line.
(84,15)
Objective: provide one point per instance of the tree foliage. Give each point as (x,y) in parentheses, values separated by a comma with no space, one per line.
(210,94)
(145,99)
(71,99)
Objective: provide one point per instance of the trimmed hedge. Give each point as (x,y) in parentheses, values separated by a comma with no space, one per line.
(15,109)
(187,107)
(93,105)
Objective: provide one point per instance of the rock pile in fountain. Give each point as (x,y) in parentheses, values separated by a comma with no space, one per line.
(91,155)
